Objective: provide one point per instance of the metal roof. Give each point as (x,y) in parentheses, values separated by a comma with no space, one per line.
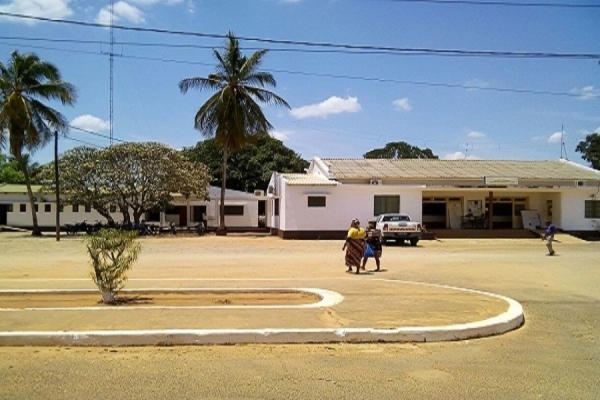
(18,188)
(424,169)
(307,180)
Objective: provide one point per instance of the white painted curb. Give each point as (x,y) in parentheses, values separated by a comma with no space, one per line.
(507,321)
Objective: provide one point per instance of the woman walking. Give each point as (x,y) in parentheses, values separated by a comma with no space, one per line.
(354,245)
(374,241)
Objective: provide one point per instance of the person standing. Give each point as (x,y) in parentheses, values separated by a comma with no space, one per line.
(204,221)
(549,236)
(354,245)
(373,239)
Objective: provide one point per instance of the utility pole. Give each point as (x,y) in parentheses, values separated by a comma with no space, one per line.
(112,43)
(57,186)
(111,54)
(562,133)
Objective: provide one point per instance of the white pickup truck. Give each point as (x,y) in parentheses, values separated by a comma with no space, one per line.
(398,227)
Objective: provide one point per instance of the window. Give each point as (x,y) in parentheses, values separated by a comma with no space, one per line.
(395,218)
(112,208)
(9,208)
(75,207)
(317,201)
(276,207)
(386,204)
(35,207)
(592,209)
(234,210)
(88,208)
(47,207)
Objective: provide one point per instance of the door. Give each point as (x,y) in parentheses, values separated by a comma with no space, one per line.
(455,214)
(3,214)
(434,213)
(182,215)
(519,204)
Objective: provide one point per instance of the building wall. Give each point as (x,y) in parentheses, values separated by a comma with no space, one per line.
(67,216)
(347,201)
(343,203)
(572,216)
(48,219)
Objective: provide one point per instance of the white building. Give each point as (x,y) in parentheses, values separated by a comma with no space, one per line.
(242,209)
(444,194)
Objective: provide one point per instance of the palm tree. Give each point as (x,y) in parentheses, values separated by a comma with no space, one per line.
(30,124)
(232,115)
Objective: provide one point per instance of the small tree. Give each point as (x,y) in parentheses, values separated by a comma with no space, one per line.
(112,253)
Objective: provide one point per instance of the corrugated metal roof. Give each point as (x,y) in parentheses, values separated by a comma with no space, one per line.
(18,188)
(307,180)
(457,169)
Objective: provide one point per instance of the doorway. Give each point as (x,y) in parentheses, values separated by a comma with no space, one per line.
(3,214)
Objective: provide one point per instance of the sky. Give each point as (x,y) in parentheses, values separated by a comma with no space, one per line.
(349,69)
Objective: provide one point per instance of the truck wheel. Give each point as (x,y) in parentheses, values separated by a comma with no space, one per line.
(413,242)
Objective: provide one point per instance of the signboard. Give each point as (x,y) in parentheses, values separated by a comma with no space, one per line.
(501,181)
(531,219)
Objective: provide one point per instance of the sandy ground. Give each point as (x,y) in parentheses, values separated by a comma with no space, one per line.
(147,298)
(555,355)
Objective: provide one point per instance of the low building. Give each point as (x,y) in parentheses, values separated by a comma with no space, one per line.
(445,195)
(242,210)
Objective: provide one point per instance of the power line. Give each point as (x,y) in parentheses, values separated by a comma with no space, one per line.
(499,3)
(96,134)
(84,142)
(401,50)
(348,77)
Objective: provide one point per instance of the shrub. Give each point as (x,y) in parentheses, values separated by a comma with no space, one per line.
(112,253)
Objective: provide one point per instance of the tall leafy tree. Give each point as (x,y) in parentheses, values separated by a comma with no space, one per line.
(10,172)
(250,168)
(232,113)
(29,123)
(136,177)
(590,149)
(400,150)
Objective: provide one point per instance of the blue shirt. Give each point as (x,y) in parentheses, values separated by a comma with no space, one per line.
(550,230)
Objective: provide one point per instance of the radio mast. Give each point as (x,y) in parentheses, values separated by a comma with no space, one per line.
(111,58)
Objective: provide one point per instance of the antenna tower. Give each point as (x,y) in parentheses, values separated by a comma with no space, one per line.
(111,58)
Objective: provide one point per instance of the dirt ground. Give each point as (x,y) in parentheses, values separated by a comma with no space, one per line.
(555,355)
(147,298)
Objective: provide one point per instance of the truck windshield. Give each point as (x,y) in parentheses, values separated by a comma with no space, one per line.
(395,218)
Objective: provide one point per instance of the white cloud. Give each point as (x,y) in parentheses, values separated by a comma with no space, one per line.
(555,137)
(152,2)
(402,104)
(459,155)
(475,134)
(90,123)
(280,135)
(191,7)
(122,12)
(584,132)
(586,93)
(333,105)
(36,8)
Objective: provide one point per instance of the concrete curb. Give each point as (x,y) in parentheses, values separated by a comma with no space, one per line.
(512,319)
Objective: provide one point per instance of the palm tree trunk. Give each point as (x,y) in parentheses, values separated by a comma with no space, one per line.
(222,231)
(36,229)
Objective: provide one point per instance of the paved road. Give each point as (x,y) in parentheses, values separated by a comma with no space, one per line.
(555,355)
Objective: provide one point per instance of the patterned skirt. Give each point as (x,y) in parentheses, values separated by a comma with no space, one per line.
(354,252)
